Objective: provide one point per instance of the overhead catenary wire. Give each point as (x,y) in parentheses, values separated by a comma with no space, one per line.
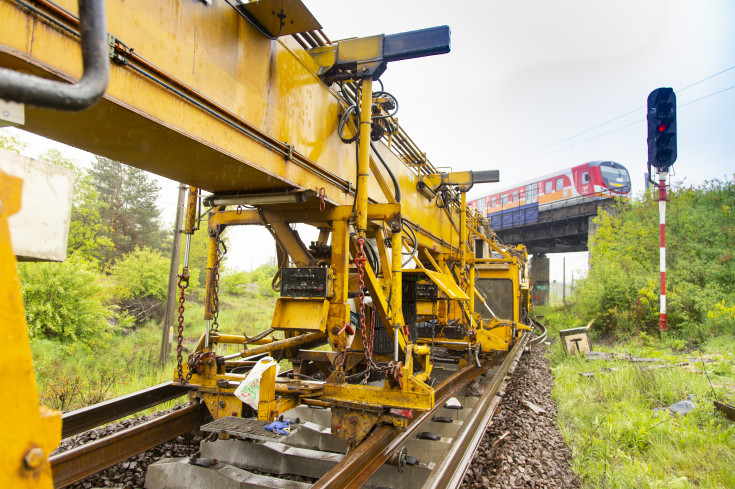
(568,140)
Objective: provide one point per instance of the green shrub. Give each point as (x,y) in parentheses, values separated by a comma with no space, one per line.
(621,291)
(249,284)
(140,273)
(64,301)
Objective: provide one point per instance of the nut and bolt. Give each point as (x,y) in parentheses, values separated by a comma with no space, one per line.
(33,458)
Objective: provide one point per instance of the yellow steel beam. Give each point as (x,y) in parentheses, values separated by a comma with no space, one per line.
(242,113)
(29,433)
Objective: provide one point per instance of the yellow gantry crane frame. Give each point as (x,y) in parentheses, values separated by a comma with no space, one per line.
(252,103)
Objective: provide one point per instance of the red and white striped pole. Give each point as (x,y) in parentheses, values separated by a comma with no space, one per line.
(662,220)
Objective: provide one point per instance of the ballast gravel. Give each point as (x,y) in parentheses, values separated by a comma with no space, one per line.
(522,449)
(130,474)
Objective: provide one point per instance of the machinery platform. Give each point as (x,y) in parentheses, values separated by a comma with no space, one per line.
(245,428)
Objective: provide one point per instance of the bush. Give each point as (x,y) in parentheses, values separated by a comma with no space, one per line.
(257,282)
(64,301)
(621,291)
(140,274)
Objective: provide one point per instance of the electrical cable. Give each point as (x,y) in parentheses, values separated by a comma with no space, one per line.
(396,187)
(637,109)
(415,247)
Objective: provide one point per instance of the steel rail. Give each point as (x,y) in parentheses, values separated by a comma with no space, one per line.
(450,471)
(82,461)
(361,463)
(90,417)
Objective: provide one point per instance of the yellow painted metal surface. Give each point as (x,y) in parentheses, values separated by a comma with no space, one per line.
(29,433)
(251,116)
(270,86)
(300,314)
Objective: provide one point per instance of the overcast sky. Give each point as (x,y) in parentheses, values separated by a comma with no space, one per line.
(533,86)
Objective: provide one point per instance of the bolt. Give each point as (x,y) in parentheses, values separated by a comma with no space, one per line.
(364,69)
(222,404)
(353,420)
(335,330)
(33,458)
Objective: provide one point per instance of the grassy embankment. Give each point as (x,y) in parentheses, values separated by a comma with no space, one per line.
(608,420)
(76,375)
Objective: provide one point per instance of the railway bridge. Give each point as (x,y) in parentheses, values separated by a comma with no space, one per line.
(562,228)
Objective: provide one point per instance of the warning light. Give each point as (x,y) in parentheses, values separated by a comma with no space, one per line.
(662,128)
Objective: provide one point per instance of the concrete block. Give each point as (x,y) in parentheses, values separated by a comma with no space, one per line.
(40,231)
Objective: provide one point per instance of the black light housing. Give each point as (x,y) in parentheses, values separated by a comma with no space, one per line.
(662,128)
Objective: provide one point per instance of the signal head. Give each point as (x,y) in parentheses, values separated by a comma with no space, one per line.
(662,128)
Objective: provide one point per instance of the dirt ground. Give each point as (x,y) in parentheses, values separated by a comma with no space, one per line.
(520,448)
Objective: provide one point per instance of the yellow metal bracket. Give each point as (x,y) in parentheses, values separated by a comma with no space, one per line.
(29,433)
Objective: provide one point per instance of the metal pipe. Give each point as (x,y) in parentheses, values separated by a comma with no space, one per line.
(363,159)
(42,92)
(187,249)
(281,344)
(206,334)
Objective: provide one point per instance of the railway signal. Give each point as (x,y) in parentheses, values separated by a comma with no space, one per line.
(661,155)
(662,128)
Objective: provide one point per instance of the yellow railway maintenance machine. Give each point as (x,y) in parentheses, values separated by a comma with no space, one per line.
(251,103)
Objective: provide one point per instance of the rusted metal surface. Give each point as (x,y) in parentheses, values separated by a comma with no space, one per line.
(363,461)
(451,469)
(726,409)
(90,417)
(80,462)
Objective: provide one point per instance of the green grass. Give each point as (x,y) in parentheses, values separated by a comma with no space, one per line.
(74,375)
(608,421)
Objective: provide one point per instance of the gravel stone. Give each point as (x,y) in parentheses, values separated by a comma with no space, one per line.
(533,454)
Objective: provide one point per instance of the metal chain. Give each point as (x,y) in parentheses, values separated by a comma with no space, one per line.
(360,260)
(183,284)
(221,251)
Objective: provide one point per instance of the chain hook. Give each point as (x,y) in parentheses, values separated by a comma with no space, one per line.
(322,195)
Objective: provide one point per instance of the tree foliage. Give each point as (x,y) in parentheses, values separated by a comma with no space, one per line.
(64,301)
(623,284)
(130,210)
(139,274)
(11,143)
(89,236)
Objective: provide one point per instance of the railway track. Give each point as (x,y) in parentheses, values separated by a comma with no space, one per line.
(433,452)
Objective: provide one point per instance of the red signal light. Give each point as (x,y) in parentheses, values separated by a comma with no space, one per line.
(662,127)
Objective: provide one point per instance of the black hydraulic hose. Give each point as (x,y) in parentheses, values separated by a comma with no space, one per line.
(42,92)
(390,173)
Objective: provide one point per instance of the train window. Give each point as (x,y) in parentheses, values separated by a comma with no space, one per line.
(514,198)
(585,178)
(547,187)
(503,199)
(559,183)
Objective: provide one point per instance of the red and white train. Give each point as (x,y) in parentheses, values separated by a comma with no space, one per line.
(591,181)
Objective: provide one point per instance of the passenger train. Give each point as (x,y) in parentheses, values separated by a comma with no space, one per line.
(521,203)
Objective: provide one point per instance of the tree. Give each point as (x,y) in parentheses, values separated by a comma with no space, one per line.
(89,236)
(11,143)
(64,301)
(129,197)
(621,291)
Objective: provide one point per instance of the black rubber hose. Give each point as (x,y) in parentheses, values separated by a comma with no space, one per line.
(390,173)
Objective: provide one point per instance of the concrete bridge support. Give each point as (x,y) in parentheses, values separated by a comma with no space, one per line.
(539,269)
